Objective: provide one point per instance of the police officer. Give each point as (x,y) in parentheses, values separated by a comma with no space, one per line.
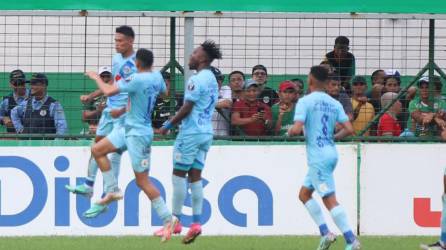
(40,114)
(19,93)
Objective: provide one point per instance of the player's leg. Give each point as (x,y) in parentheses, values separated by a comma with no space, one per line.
(441,244)
(315,211)
(105,127)
(140,159)
(196,188)
(323,182)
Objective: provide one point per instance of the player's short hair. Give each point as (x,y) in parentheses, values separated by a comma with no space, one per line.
(236,72)
(145,57)
(212,50)
(320,73)
(342,40)
(126,31)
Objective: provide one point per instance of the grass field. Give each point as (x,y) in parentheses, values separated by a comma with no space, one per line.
(202,243)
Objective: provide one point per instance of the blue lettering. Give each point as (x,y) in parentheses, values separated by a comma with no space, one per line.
(264,196)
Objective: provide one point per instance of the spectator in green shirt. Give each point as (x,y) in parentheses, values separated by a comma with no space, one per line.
(426,117)
(283,112)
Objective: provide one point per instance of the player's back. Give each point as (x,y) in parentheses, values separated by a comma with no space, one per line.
(148,86)
(202,90)
(320,113)
(122,70)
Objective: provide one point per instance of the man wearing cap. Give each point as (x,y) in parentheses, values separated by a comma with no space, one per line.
(426,117)
(388,123)
(267,95)
(342,61)
(40,114)
(363,111)
(220,118)
(96,105)
(17,81)
(283,111)
(250,114)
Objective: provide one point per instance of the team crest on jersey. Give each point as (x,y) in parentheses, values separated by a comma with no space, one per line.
(42,112)
(190,86)
(266,99)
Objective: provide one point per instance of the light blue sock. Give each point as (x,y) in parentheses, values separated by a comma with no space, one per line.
(196,190)
(179,195)
(110,182)
(91,173)
(443,221)
(316,213)
(161,209)
(340,218)
(115,163)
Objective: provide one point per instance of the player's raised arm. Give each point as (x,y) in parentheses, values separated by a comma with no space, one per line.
(107,89)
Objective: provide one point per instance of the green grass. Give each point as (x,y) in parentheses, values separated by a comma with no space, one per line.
(204,242)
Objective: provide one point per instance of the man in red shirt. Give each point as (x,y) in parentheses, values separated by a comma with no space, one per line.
(250,114)
(388,123)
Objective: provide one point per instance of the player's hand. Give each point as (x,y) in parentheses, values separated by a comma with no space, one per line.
(163,131)
(85,99)
(7,122)
(92,75)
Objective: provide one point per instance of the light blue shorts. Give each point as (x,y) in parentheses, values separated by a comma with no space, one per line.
(139,151)
(105,125)
(321,179)
(117,138)
(190,151)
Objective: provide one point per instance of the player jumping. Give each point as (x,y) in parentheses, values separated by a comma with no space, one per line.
(195,135)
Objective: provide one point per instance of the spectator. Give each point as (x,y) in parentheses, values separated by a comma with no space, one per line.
(95,105)
(250,114)
(438,85)
(388,123)
(363,111)
(267,95)
(299,87)
(236,81)
(334,90)
(342,61)
(40,114)
(283,111)
(17,81)
(165,107)
(426,117)
(392,83)
(374,95)
(220,118)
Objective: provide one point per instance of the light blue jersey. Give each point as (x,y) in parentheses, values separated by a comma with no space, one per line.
(202,90)
(142,90)
(319,112)
(122,70)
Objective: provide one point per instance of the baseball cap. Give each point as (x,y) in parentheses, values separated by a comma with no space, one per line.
(104,69)
(392,72)
(286,85)
(424,79)
(359,79)
(17,76)
(217,73)
(39,78)
(249,83)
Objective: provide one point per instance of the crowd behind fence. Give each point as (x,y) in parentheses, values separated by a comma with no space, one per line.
(262,74)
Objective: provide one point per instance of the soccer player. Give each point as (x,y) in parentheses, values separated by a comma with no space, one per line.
(195,135)
(441,244)
(123,66)
(319,113)
(136,135)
